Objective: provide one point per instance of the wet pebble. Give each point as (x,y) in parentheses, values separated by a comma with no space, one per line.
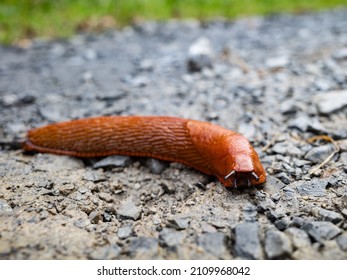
(247,241)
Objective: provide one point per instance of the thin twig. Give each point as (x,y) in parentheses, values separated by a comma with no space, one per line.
(329,139)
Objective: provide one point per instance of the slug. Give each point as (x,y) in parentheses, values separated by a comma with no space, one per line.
(207,147)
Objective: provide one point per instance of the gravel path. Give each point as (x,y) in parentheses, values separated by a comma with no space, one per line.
(278,80)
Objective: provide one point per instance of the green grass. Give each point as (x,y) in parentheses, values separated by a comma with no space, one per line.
(23,19)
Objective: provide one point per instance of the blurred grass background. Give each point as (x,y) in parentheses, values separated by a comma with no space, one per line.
(25,19)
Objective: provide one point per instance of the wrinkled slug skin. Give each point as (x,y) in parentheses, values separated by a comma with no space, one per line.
(209,148)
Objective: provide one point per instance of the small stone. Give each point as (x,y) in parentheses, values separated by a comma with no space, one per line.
(128,210)
(81,223)
(315,187)
(321,231)
(113,161)
(213,243)
(319,154)
(277,62)
(282,223)
(247,241)
(55,163)
(143,248)
(340,54)
(95,217)
(170,237)
(155,166)
(124,232)
(200,55)
(5,207)
(178,222)
(94,176)
(277,244)
(342,241)
(327,215)
(332,101)
(108,252)
(300,238)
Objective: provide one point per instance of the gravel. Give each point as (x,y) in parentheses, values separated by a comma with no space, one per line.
(248,75)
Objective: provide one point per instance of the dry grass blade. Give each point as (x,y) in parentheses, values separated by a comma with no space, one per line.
(329,139)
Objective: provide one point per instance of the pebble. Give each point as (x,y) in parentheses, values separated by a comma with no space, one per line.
(113,161)
(247,241)
(315,187)
(129,210)
(213,243)
(143,248)
(170,237)
(321,231)
(108,252)
(178,222)
(299,237)
(275,63)
(124,232)
(95,217)
(327,215)
(340,54)
(277,244)
(330,102)
(155,166)
(55,163)
(342,241)
(319,154)
(200,55)
(5,207)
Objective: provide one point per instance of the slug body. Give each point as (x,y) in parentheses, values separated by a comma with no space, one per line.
(209,148)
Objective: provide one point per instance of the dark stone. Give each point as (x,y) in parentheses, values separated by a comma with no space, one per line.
(321,231)
(277,244)
(247,241)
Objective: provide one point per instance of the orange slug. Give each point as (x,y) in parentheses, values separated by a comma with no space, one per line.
(207,147)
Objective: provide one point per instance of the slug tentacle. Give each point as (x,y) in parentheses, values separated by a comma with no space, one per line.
(209,148)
